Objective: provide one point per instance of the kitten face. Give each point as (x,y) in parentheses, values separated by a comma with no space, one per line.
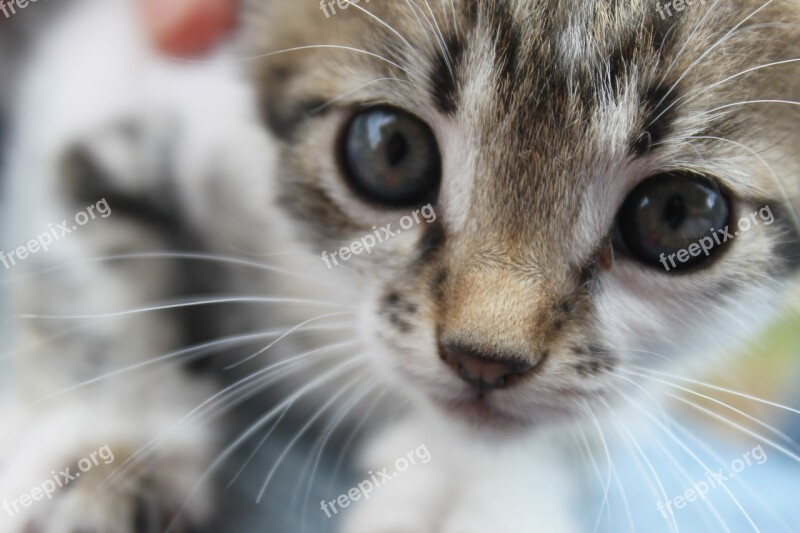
(525,295)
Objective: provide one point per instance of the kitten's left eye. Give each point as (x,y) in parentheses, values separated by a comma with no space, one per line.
(671,214)
(391,157)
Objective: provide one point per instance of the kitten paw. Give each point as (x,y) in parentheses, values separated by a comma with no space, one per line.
(60,480)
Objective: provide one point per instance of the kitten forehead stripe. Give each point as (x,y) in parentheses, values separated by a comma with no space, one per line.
(443,82)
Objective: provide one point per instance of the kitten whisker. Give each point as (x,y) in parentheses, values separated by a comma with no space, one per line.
(725,390)
(221,396)
(752,493)
(677,467)
(783,436)
(586,451)
(723,464)
(320,444)
(631,440)
(734,425)
(261,442)
(414,8)
(607,486)
(189,256)
(646,352)
(262,421)
(345,448)
(194,352)
(279,339)
(685,448)
(183,304)
(42,341)
(302,431)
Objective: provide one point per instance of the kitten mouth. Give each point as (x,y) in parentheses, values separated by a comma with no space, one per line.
(477,410)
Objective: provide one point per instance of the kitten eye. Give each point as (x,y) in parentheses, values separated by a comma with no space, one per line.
(391,157)
(669,213)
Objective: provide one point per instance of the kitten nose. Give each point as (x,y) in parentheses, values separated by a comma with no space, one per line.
(481,370)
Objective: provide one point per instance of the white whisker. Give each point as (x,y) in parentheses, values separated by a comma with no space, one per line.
(727,391)
(289,50)
(261,421)
(279,339)
(186,304)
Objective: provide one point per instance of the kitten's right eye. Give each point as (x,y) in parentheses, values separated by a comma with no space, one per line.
(672,214)
(391,157)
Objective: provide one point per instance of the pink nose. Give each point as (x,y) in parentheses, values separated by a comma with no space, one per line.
(481,370)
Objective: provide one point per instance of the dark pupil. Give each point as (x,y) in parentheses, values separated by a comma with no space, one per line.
(396,148)
(675,212)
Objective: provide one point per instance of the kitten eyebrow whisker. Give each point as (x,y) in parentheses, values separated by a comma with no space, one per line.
(351,91)
(679,55)
(455,15)
(748,102)
(412,4)
(749,70)
(383,23)
(703,55)
(769,168)
(292,49)
(690,97)
(442,45)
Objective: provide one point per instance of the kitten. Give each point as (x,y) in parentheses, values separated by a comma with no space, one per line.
(514,205)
